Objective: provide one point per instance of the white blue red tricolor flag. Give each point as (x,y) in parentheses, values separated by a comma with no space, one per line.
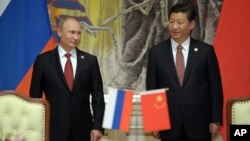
(25,33)
(118,109)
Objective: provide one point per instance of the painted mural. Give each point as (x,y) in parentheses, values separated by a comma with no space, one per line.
(120,32)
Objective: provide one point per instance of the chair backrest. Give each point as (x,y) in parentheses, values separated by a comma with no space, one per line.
(238,112)
(25,116)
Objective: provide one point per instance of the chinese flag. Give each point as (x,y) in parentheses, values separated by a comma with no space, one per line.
(233,50)
(155,112)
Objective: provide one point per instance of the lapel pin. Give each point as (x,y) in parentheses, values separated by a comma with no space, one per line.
(195,49)
(82,57)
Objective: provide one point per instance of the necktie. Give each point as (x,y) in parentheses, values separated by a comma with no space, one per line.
(68,71)
(180,66)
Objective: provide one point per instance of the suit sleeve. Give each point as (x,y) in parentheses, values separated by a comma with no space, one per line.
(36,81)
(98,104)
(151,76)
(215,85)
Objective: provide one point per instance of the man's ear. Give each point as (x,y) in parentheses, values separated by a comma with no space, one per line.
(192,24)
(59,32)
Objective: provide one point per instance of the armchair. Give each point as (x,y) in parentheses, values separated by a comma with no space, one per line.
(238,112)
(22,115)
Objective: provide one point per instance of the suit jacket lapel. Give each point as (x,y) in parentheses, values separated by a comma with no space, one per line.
(80,61)
(193,50)
(170,57)
(55,59)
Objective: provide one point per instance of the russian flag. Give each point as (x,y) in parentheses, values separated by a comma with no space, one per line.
(25,33)
(118,109)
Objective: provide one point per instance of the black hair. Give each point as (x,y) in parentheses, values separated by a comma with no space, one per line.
(185,7)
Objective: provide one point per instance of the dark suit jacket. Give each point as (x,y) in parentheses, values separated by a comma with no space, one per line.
(70,110)
(200,100)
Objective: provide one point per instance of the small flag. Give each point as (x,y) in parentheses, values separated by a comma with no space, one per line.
(155,112)
(118,109)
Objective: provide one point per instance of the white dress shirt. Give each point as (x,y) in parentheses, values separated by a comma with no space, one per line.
(63,58)
(185,49)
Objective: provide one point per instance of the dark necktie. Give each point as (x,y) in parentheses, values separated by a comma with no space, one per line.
(180,66)
(68,71)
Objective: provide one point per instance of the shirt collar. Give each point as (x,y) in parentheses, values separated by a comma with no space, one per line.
(185,44)
(62,52)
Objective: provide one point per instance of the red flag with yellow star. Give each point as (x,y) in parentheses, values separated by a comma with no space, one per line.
(155,112)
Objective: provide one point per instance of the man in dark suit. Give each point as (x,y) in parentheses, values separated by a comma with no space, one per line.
(69,94)
(190,70)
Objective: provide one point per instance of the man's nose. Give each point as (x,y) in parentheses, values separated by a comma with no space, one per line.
(175,25)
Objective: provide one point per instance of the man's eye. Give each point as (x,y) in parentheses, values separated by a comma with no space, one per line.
(180,22)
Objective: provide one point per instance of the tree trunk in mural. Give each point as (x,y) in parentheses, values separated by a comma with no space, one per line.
(136,28)
(141,31)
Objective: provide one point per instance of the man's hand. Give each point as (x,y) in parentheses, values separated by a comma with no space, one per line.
(156,134)
(214,129)
(95,135)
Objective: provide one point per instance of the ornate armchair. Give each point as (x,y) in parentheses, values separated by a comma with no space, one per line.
(238,112)
(21,115)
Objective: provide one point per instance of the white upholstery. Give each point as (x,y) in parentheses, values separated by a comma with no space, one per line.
(24,116)
(240,112)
